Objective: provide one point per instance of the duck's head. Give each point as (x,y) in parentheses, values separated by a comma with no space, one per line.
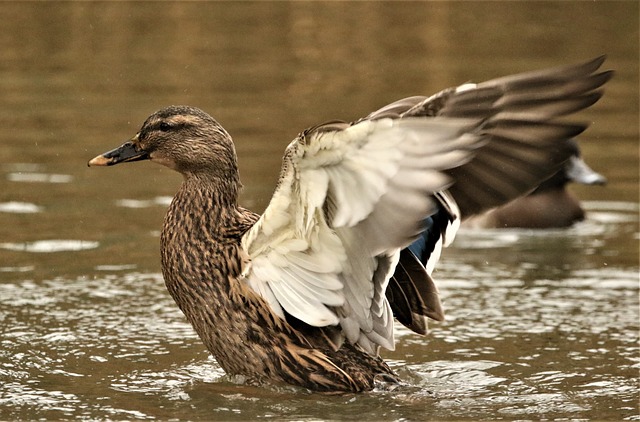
(575,170)
(183,138)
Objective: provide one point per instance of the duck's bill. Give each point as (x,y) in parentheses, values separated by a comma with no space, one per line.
(578,171)
(125,153)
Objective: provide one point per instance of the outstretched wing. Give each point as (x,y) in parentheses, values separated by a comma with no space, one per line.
(350,197)
(326,245)
(524,147)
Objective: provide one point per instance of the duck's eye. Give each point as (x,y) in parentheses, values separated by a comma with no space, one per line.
(165,127)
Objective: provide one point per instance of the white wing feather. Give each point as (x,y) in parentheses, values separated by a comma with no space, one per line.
(347,202)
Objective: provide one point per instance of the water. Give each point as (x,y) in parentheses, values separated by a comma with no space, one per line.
(540,325)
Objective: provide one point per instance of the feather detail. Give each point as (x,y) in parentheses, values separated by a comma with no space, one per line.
(351,183)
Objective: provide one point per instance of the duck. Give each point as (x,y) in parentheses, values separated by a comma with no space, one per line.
(307,293)
(549,206)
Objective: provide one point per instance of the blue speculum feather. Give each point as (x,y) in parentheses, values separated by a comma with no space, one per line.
(435,226)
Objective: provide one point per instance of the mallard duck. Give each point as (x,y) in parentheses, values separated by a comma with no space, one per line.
(307,292)
(550,205)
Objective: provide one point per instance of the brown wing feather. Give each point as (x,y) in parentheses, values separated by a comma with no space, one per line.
(413,295)
(525,144)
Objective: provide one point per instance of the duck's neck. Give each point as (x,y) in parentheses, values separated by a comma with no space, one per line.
(212,193)
(198,229)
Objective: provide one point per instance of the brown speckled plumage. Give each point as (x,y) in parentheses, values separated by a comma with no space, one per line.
(202,262)
(299,295)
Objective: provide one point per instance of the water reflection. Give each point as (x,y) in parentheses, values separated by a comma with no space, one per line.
(39,177)
(19,207)
(48,246)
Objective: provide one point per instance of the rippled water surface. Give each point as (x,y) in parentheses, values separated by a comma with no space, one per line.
(540,324)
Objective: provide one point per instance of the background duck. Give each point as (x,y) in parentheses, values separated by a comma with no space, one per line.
(550,205)
(307,292)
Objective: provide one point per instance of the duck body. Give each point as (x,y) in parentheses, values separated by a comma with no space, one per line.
(307,292)
(203,261)
(550,205)
(554,209)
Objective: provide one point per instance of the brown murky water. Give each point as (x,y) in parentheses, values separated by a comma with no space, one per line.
(541,325)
